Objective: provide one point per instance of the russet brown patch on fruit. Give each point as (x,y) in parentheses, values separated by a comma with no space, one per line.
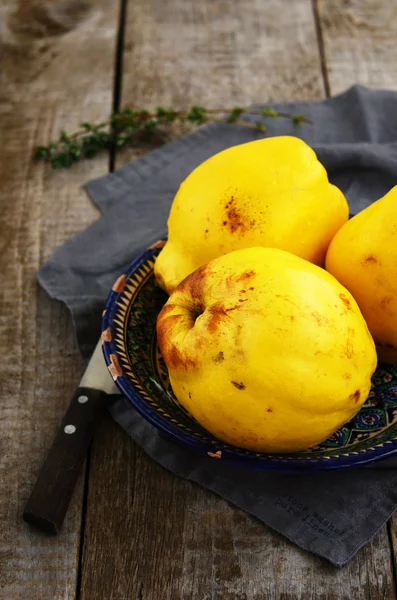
(269,410)
(319,318)
(216,313)
(220,357)
(246,275)
(194,283)
(164,325)
(239,385)
(252,288)
(348,351)
(355,396)
(346,301)
(236,220)
(347,376)
(230,202)
(165,310)
(292,318)
(370,259)
(173,357)
(199,342)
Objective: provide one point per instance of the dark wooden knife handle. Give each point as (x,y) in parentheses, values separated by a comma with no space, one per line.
(48,503)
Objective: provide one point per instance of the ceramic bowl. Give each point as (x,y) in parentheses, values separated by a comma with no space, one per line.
(135,362)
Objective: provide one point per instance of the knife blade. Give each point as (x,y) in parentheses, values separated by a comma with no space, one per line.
(49,500)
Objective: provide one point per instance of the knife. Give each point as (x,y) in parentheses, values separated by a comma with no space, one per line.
(49,500)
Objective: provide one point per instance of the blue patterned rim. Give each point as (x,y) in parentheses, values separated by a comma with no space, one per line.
(134,360)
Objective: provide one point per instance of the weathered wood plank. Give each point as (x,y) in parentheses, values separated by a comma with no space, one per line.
(218,54)
(57,62)
(162,537)
(359,42)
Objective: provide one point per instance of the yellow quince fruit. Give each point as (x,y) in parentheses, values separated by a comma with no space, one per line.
(271,192)
(266,351)
(363,257)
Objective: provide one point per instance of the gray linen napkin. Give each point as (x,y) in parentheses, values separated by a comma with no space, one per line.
(331,514)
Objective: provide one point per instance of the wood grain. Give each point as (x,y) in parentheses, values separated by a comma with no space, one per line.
(173,540)
(359,42)
(219,53)
(57,68)
(170,538)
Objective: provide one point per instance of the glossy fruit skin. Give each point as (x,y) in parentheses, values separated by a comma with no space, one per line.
(266,350)
(271,192)
(363,257)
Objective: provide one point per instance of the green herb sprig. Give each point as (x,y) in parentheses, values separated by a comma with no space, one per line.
(121,128)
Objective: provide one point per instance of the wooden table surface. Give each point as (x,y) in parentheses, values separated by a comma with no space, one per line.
(134,531)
